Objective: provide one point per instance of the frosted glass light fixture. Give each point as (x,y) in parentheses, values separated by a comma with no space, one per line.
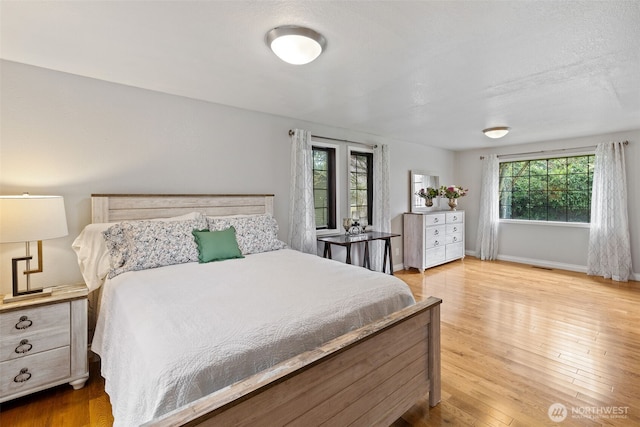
(296,45)
(496,132)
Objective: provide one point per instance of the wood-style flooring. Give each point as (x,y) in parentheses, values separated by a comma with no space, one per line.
(515,340)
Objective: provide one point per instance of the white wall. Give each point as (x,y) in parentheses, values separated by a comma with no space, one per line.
(546,245)
(73,136)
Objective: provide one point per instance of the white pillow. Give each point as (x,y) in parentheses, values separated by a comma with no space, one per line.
(93,257)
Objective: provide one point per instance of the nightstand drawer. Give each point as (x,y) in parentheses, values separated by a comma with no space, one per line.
(34,320)
(34,371)
(58,335)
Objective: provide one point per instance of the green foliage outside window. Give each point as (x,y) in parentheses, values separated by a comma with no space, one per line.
(321,187)
(557,189)
(360,186)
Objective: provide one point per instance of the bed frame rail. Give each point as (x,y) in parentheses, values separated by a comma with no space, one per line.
(368,377)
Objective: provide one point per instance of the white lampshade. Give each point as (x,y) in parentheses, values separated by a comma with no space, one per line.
(30,218)
(296,45)
(496,132)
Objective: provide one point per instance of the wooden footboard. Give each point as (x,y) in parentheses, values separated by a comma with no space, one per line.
(370,376)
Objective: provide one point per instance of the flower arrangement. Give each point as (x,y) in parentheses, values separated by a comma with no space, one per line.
(453,191)
(428,193)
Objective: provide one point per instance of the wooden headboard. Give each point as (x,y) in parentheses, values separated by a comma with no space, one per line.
(120,207)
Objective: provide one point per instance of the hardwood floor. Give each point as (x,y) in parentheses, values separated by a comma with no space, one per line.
(515,340)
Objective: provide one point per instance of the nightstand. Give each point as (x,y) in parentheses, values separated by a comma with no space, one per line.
(43,342)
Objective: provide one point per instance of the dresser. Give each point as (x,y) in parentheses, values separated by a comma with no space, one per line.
(432,238)
(43,342)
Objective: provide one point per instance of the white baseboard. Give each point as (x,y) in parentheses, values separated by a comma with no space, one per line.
(547,264)
(544,263)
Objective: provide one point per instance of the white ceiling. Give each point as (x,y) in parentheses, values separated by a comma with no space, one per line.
(429,72)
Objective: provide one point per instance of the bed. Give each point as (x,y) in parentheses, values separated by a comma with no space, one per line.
(271,337)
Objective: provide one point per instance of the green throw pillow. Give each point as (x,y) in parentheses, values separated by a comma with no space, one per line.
(217,245)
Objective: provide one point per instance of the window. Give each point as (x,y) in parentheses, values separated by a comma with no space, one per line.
(361,186)
(324,186)
(556,189)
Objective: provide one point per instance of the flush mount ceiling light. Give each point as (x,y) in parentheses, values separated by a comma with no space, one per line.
(497,132)
(296,45)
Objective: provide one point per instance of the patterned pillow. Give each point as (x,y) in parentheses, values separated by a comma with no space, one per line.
(139,245)
(255,233)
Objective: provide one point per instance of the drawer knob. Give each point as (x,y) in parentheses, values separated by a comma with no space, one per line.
(436,243)
(435,219)
(436,232)
(24,323)
(455,218)
(455,239)
(455,229)
(24,347)
(23,376)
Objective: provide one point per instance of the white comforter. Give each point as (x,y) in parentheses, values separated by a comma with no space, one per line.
(170,335)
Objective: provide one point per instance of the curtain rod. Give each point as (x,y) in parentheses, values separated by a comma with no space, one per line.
(339,140)
(559,150)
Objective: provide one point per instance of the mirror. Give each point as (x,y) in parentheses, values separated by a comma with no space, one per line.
(422,179)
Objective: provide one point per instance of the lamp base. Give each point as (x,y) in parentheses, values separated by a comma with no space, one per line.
(37,293)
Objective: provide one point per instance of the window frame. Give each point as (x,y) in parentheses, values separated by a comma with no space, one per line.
(541,156)
(369,154)
(337,194)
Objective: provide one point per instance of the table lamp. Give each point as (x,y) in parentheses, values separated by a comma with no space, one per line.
(26,219)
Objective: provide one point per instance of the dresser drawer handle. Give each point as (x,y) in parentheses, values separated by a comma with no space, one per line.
(23,376)
(436,243)
(455,218)
(24,323)
(455,229)
(435,220)
(24,347)
(436,232)
(455,239)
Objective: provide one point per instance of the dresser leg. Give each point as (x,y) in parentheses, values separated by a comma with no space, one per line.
(79,383)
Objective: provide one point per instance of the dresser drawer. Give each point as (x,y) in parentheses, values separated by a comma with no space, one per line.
(43,328)
(453,238)
(454,228)
(435,231)
(434,256)
(454,217)
(454,251)
(434,241)
(434,219)
(34,371)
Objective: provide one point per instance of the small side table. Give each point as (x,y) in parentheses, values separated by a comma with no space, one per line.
(346,241)
(43,342)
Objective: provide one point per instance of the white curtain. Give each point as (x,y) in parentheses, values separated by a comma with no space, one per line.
(489,217)
(302,219)
(381,209)
(609,240)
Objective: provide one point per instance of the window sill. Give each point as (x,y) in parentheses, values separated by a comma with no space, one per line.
(550,223)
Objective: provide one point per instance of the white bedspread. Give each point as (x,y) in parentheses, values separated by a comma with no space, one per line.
(170,335)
